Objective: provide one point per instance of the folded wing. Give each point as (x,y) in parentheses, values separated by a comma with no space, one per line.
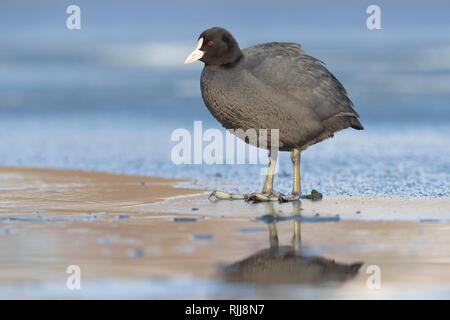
(285,67)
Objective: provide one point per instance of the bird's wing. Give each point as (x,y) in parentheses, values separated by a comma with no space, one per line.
(287,68)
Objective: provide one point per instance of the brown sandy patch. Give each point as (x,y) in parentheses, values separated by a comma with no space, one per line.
(30,191)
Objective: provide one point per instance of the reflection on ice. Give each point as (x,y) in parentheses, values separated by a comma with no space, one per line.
(287,264)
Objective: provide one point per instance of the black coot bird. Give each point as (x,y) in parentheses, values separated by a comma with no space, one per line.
(272,86)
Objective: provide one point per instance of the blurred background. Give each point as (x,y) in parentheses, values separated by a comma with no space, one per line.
(108,96)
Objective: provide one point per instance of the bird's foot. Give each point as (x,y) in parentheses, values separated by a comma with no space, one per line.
(264,196)
(256,196)
(220,195)
(290,198)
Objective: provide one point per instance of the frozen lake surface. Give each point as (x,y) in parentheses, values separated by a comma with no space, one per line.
(410,160)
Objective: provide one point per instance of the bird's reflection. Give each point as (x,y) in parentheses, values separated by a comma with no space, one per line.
(286,264)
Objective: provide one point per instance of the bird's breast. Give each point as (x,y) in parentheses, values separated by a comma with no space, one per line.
(223,97)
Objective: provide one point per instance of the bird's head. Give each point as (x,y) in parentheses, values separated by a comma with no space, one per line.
(215,46)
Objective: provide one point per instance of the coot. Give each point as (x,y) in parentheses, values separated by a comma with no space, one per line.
(272,86)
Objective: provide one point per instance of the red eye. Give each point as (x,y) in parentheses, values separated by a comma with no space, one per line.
(210,43)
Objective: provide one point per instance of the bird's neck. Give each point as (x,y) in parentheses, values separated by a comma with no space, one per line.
(227,61)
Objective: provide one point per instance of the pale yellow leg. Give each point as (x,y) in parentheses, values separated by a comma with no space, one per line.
(267,193)
(296,186)
(268,184)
